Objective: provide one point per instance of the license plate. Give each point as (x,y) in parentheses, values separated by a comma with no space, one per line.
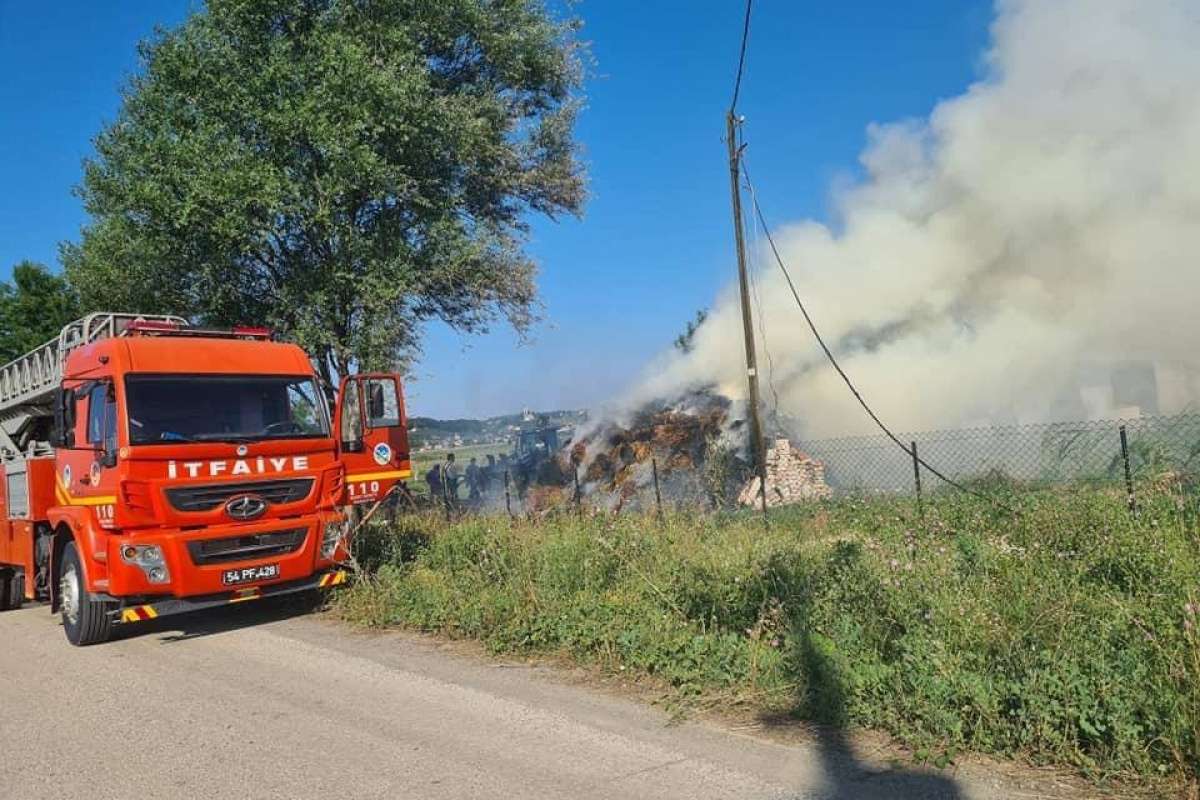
(232,577)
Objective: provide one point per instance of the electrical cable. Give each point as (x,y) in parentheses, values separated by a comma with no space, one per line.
(834,362)
(737,84)
(756,295)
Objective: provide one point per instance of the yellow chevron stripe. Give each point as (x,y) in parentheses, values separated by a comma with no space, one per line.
(332,579)
(67,499)
(395,474)
(149,611)
(129,615)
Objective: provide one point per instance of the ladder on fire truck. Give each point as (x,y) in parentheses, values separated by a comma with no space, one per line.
(28,383)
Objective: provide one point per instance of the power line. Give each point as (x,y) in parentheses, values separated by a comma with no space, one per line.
(737,84)
(762,317)
(838,367)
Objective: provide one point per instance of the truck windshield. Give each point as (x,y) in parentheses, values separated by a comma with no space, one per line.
(213,408)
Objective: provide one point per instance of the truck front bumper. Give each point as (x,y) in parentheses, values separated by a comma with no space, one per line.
(195,571)
(182,605)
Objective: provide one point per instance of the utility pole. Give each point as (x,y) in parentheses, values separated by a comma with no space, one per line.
(756,434)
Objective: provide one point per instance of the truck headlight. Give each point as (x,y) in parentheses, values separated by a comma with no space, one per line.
(149,559)
(329,542)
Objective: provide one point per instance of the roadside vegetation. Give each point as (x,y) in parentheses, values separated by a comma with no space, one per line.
(1063,636)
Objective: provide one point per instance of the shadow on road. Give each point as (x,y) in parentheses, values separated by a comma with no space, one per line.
(198,624)
(824,702)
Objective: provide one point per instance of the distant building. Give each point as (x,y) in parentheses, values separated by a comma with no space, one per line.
(1136,389)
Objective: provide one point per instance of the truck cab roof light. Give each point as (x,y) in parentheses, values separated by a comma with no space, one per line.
(252,332)
(145,328)
(152,326)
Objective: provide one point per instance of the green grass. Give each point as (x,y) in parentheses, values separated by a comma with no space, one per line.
(1064,636)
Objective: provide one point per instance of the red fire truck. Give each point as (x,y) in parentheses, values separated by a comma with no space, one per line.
(150,467)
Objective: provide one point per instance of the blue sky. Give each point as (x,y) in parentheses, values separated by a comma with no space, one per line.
(654,244)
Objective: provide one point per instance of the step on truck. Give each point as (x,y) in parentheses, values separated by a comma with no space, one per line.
(149,467)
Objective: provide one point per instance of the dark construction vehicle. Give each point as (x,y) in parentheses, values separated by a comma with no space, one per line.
(535,453)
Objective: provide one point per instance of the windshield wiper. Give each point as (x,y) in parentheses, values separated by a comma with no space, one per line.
(221,437)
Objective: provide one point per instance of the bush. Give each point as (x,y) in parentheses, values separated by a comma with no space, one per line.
(1063,635)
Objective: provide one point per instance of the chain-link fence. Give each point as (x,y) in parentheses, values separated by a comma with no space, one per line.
(1105,452)
(1120,454)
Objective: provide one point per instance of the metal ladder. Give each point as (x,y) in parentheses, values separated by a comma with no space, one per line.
(27,383)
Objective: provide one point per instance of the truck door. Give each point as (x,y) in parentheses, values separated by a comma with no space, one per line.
(372,431)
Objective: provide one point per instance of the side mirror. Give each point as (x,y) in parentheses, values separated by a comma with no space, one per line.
(63,433)
(375,401)
(351,421)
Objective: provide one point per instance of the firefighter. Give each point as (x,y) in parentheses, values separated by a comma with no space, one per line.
(434,478)
(450,478)
(474,479)
(487,474)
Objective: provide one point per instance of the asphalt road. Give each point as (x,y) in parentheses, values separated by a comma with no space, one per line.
(254,703)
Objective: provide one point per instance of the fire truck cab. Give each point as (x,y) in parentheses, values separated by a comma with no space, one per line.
(150,467)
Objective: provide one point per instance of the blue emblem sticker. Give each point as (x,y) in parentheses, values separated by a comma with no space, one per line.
(382,453)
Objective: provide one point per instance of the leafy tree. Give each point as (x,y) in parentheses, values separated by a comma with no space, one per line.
(34,306)
(343,170)
(683,342)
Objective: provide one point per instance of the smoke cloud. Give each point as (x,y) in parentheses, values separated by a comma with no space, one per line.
(1027,252)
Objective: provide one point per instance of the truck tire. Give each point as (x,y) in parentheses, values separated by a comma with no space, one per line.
(14,590)
(85,621)
(6,577)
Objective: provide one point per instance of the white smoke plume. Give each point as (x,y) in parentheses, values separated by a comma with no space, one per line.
(1010,256)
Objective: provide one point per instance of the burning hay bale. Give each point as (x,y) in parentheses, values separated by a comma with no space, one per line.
(698,449)
(677,437)
(792,477)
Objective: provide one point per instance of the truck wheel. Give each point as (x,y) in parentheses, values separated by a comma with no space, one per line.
(14,590)
(85,621)
(6,577)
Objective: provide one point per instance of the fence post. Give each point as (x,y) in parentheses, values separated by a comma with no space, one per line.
(578,493)
(917,479)
(657,491)
(446,493)
(507,496)
(1128,472)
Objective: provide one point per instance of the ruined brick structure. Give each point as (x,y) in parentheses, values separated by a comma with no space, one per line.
(792,477)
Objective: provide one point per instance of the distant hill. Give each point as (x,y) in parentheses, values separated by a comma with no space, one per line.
(427,432)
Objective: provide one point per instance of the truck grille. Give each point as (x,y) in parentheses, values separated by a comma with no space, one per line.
(245,548)
(214,495)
